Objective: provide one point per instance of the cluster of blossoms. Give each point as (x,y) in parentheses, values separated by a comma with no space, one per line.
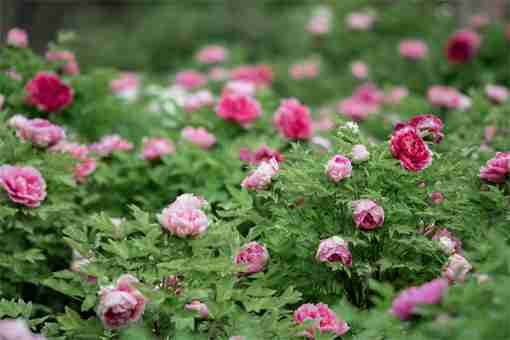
(184,216)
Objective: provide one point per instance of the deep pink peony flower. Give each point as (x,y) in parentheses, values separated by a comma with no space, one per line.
(325,320)
(359,70)
(308,69)
(48,93)
(69,66)
(122,304)
(457,268)
(360,153)
(360,21)
(320,22)
(413,49)
(239,87)
(17,37)
(259,75)
(430,293)
(184,218)
(293,120)
(444,96)
(496,169)
(497,94)
(407,146)
(367,215)
(212,54)
(198,136)
(437,197)
(11,329)
(239,108)
(198,100)
(39,132)
(253,256)
(338,168)
(190,79)
(261,177)
(448,243)
(334,249)
(156,148)
(199,307)
(462,46)
(24,185)
(427,126)
(109,144)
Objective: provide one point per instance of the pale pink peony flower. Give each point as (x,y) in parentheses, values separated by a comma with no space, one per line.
(360,153)
(396,95)
(261,177)
(462,46)
(122,304)
(308,69)
(11,329)
(184,218)
(189,201)
(259,75)
(237,337)
(322,142)
(69,66)
(199,307)
(360,21)
(359,70)
(489,133)
(126,86)
(320,22)
(497,94)
(324,320)
(48,93)
(156,148)
(198,100)
(444,96)
(356,109)
(84,169)
(430,293)
(407,146)
(198,136)
(218,73)
(39,132)
(367,215)
(447,242)
(334,249)
(109,144)
(17,37)
(457,268)
(190,79)
(239,108)
(293,120)
(413,49)
(24,185)
(436,197)
(338,168)
(239,87)
(253,256)
(17,121)
(496,169)
(212,54)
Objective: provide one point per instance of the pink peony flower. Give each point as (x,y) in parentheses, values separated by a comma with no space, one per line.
(48,93)
(156,148)
(325,320)
(239,87)
(334,249)
(497,94)
(239,108)
(109,144)
(293,120)
(462,46)
(263,154)
(369,93)
(359,70)
(253,256)
(430,293)
(84,169)
(308,69)
(457,268)
(184,218)
(448,243)
(77,151)
(444,96)
(261,177)
(17,37)
(259,75)
(199,307)
(360,21)
(198,100)
(396,95)
(479,21)
(426,125)
(199,136)
(24,185)
(407,146)
(322,142)
(122,304)
(189,201)
(126,86)
(69,65)
(355,109)
(39,132)
(360,153)
(190,79)
(490,132)
(436,197)
(320,22)
(496,169)
(367,215)
(212,54)
(17,330)
(338,168)
(413,49)
(325,123)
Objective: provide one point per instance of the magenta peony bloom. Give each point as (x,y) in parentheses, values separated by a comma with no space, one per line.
(407,146)
(253,256)
(212,54)
(239,87)
(360,153)
(199,307)
(360,21)
(69,66)
(334,249)
(199,136)
(496,169)
(198,100)
(462,46)
(39,132)
(156,148)
(48,93)
(17,37)
(261,177)
(109,144)
(122,304)
(293,120)
(457,268)
(239,108)
(24,185)
(448,243)
(437,197)
(308,69)
(184,218)
(430,293)
(190,79)
(17,330)
(413,49)
(367,215)
(259,75)
(325,320)
(427,126)
(359,70)
(497,94)
(338,168)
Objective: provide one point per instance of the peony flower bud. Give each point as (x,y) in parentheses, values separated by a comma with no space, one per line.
(436,197)
(24,185)
(254,256)
(360,153)
(367,214)
(323,318)
(334,249)
(199,307)
(338,168)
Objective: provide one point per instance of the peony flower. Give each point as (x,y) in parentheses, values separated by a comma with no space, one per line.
(184,218)
(308,69)
(77,151)
(355,109)
(189,201)
(261,177)
(259,75)
(17,330)
(293,120)
(109,144)
(436,197)
(11,73)
(479,21)
(239,108)
(368,93)
(489,133)
(430,293)
(190,79)
(253,256)
(39,132)
(212,54)
(198,100)
(407,146)
(24,185)
(84,169)
(239,87)
(396,95)
(444,96)
(360,21)
(447,242)
(413,49)
(497,94)
(156,148)
(324,320)
(320,22)
(322,142)
(360,153)
(122,304)
(457,268)
(367,215)
(199,136)
(334,249)
(325,123)
(359,70)
(199,307)
(496,169)
(338,168)
(68,59)
(17,37)
(126,86)
(218,73)
(426,125)
(462,46)
(48,93)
